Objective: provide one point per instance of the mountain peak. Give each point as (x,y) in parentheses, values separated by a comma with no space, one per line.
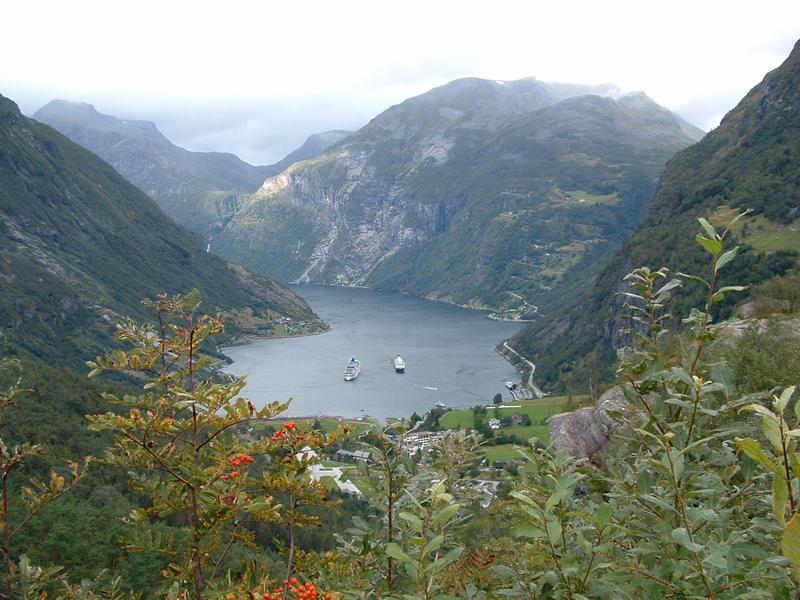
(61,105)
(69,114)
(8,106)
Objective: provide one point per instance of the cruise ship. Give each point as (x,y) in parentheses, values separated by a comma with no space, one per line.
(399,364)
(352,369)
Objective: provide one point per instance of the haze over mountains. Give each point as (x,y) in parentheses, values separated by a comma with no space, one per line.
(502,194)
(80,247)
(752,160)
(479,192)
(200,190)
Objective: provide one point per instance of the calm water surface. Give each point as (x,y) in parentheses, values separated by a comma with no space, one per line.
(449,354)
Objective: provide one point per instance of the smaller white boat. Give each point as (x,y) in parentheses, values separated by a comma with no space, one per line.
(352,369)
(399,364)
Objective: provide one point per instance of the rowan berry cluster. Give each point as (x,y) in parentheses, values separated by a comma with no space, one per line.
(296,591)
(240,459)
(283,433)
(236,461)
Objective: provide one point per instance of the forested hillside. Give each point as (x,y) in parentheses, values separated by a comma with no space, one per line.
(751,161)
(80,247)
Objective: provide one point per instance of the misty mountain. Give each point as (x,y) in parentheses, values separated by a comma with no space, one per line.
(80,246)
(752,160)
(200,190)
(314,145)
(486,193)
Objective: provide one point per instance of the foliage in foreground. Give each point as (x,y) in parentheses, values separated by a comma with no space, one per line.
(699,496)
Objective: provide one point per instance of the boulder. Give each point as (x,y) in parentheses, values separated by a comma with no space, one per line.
(586,432)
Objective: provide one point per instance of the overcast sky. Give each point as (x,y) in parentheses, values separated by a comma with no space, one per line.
(256,78)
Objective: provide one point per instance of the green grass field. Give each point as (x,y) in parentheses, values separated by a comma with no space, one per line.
(538,410)
(760,232)
(587,198)
(506,452)
(772,241)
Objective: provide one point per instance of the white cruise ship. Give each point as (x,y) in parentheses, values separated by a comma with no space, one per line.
(399,364)
(352,369)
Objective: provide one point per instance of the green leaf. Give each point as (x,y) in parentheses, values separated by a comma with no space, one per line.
(694,278)
(554,532)
(711,246)
(790,543)
(726,257)
(556,498)
(680,535)
(770,423)
(604,512)
(504,571)
(754,450)
(773,432)
(530,531)
(437,566)
(709,229)
(782,402)
(732,288)
(413,520)
(523,497)
(397,553)
(433,545)
(780,495)
(447,513)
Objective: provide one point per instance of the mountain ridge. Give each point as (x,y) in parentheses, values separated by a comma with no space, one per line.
(80,247)
(752,160)
(428,181)
(200,190)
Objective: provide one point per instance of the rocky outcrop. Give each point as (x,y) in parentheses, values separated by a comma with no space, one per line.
(586,432)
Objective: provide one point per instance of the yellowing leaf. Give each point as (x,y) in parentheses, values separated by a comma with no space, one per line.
(780,495)
(790,543)
(754,450)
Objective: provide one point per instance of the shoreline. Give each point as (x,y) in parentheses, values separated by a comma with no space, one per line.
(486,309)
(249,338)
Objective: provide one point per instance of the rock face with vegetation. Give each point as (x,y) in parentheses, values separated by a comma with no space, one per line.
(80,246)
(585,432)
(752,160)
(200,190)
(502,194)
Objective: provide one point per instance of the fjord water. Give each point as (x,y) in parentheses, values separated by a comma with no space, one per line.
(449,352)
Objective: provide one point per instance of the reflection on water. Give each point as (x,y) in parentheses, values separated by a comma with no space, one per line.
(449,354)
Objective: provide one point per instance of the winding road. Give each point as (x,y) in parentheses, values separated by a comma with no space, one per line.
(539,393)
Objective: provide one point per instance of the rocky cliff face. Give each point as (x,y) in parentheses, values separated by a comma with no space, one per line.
(485,193)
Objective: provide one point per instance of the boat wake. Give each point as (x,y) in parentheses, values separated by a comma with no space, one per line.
(426,387)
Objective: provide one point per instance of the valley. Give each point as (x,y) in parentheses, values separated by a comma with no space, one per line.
(475,339)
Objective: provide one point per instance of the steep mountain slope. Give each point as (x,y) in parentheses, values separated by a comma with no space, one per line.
(200,190)
(80,245)
(314,145)
(752,160)
(479,192)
